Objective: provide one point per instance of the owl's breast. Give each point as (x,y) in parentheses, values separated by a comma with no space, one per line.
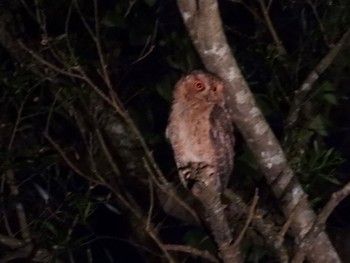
(191,139)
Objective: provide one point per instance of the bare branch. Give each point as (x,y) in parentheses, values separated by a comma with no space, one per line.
(68,161)
(314,10)
(192,251)
(11,242)
(265,11)
(21,214)
(249,218)
(149,46)
(172,202)
(319,223)
(310,80)
(264,226)
(205,191)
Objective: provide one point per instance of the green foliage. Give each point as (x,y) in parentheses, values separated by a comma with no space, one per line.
(328,93)
(316,166)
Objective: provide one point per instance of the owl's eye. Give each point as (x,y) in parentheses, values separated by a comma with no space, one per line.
(198,85)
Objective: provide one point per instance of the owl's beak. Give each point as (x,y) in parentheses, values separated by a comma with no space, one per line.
(214,98)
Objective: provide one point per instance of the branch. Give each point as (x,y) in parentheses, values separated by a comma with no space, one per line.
(264,226)
(314,10)
(308,83)
(204,25)
(191,250)
(249,219)
(280,48)
(206,192)
(320,222)
(19,249)
(21,213)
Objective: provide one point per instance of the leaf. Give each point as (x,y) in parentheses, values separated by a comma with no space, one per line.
(327,87)
(164,90)
(331,98)
(329,93)
(198,239)
(50,227)
(316,200)
(43,194)
(318,125)
(112,19)
(112,209)
(332,180)
(150,2)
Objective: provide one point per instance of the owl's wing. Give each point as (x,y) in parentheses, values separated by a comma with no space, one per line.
(221,134)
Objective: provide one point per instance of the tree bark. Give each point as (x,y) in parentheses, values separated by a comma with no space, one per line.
(204,25)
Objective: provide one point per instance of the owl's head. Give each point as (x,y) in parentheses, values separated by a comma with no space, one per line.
(200,86)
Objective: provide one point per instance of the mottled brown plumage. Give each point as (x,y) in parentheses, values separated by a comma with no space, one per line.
(200,130)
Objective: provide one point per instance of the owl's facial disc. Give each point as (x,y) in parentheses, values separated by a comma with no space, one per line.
(208,92)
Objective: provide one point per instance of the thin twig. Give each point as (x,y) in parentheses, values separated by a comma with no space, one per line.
(107,153)
(314,10)
(249,218)
(151,205)
(67,160)
(286,225)
(51,110)
(265,11)
(310,80)
(18,120)
(21,214)
(101,56)
(81,76)
(168,189)
(191,250)
(149,46)
(251,10)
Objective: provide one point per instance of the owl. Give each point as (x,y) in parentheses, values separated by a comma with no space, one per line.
(200,129)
